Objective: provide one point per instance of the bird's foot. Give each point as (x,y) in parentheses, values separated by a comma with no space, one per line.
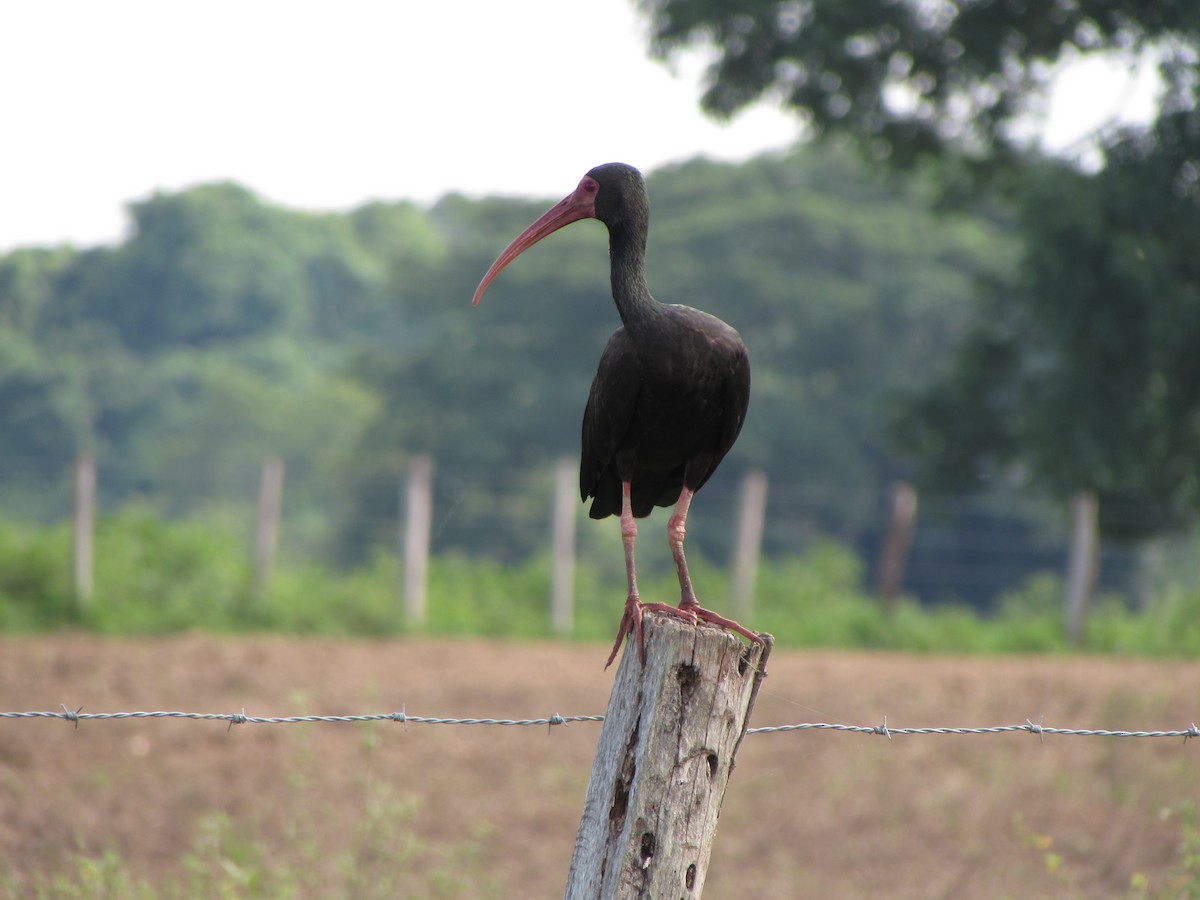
(694,610)
(631,624)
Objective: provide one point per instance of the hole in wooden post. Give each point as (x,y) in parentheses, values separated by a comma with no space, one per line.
(688,677)
(648,846)
(712,765)
(620,804)
(689,877)
(744,661)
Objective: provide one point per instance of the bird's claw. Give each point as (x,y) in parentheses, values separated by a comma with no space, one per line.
(631,624)
(690,612)
(631,621)
(707,615)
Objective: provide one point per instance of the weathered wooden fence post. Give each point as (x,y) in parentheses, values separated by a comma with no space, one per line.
(666,751)
(1083,564)
(266,528)
(562,580)
(84,527)
(418,523)
(752,512)
(897,542)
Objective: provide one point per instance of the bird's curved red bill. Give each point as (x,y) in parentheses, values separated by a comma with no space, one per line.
(579,204)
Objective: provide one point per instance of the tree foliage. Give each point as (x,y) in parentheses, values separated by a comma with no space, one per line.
(225,328)
(1083,368)
(914,78)
(1078,371)
(183,353)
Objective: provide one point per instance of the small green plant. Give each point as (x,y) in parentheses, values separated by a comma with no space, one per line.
(1052,861)
(385,856)
(1182,880)
(104,876)
(1179,882)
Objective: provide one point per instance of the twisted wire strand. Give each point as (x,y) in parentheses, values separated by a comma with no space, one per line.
(241,718)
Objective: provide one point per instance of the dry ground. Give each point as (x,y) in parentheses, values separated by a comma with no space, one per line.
(808,814)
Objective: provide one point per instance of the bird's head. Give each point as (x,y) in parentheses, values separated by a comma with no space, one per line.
(613,193)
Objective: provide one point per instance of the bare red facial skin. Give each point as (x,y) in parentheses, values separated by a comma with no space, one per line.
(579,204)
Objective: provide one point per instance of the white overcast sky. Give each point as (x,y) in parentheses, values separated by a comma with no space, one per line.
(328,105)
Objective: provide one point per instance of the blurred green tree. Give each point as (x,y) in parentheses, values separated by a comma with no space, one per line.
(1078,371)
(1082,367)
(909,79)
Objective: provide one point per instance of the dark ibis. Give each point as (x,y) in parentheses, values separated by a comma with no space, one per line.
(669,396)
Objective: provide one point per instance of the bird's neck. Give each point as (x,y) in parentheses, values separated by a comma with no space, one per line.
(627,253)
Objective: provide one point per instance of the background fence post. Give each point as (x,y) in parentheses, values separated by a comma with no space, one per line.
(417,525)
(752,510)
(897,542)
(85,529)
(1082,564)
(566,500)
(266,530)
(666,751)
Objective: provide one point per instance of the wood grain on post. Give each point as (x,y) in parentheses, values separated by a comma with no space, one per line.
(666,751)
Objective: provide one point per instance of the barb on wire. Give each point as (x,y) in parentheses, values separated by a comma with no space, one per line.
(240,718)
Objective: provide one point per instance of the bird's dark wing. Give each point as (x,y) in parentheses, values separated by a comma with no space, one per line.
(735,400)
(610,407)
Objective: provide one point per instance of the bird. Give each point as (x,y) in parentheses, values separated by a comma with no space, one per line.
(668,399)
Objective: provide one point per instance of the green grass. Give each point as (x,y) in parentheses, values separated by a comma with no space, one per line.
(158,576)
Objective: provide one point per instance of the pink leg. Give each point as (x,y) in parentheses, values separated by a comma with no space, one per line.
(631,621)
(676,530)
(689,606)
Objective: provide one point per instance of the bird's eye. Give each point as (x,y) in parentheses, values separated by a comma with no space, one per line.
(591,185)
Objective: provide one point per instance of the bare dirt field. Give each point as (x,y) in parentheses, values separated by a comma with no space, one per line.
(490,811)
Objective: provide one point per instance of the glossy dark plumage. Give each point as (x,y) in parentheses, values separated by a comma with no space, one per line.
(667,403)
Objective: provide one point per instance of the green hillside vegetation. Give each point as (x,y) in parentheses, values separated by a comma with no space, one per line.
(225,328)
(159,577)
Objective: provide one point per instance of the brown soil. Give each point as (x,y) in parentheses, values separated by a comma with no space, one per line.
(808,814)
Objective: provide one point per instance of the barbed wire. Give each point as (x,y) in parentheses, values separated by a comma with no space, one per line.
(78,715)
(1029,726)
